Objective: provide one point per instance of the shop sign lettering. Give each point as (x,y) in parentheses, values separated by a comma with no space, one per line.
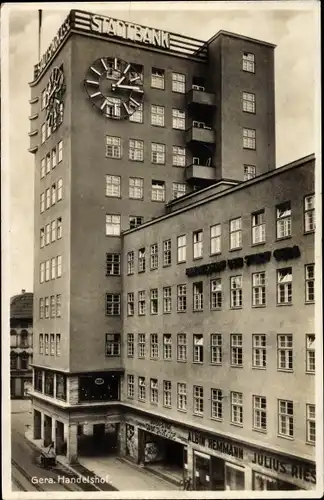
(216,444)
(161,428)
(297,471)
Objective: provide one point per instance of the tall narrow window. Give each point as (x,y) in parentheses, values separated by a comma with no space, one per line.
(284,220)
(59,228)
(178,83)
(154,256)
(158,191)
(216,348)
(235,233)
(42,169)
(47,234)
(141,389)
(237,408)
(178,156)
(215,239)
(59,189)
(53,231)
(182,248)
(236,350)
(309,213)
(216,293)
(285,352)
(112,225)
(47,270)
(53,192)
(310,283)
(157,115)
(141,303)
(167,393)
(42,237)
(59,266)
(42,272)
(154,347)
(217,404)
(41,308)
(311,423)
(259,413)
(167,346)
(248,102)
(284,286)
(47,307)
(130,386)
(249,138)
(181,298)
(258,289)
(137,116)
(154,299)
(198,400)
(197,244)
(136,150)
(285,418)
(154,391)
(54,159)
(248,62)
(42,202)
(52,305)
(112,264)
(259,351)
(113,186)
(198,296)
(158,153)
(60,151)
(167,300)
(141,345)
(130,304)
(141,260)
(178,119)
(310,353)
(236,291)
(198,348)
(157,78)
(130,262)
(48,198)
(130,345)
(136,188)
(258,228)
(182,396)
(113,147)
(41,343)
(167,253)
(58,305)
(48,163)
(182,347)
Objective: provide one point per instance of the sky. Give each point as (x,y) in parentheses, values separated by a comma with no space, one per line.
(292,26)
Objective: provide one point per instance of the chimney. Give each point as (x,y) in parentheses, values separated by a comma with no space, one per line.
(23,291)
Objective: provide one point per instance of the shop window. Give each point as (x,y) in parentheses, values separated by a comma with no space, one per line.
(61,387)
(38,380)
(234,477)
(49,384)
(99,387)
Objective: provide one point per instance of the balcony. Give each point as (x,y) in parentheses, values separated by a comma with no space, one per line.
(199,132)
(201,98)
(200,175)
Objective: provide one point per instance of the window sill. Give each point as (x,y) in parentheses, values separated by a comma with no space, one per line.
(310,443)
(112,196)
(130,274)
(308,372)
(285,370)
(182,411)
(233,308)
(167,312)
(289,438)
(181,261)
(248,112)
(215,364)
(153,359)
(133,159)
(153,268)
(236,249)
(216,419)
(130,397)
(168,407)
(308,302)
(130,357)
(154,314)
(259,367)
(181,361)
(199,415)
(177,128)
(197,310)
(166,265)
(259,306)
(130,315)
(179,166)
(309,232)
(157,88)
(236,424)
(284,304)
(236,366)
(249,149)
(284,238)
(164,359)
(215,254)
(181,312)
(141,314)
(154,163)
(156,125)
(140,272)
(198,362)
(130,198)
(258,244)
(198,258)
(262,431)
(154,403)
(215,308)
(113,235)
(158,201)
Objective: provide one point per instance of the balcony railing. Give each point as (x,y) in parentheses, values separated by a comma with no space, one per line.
(199,132)
(200,97)
(200,174)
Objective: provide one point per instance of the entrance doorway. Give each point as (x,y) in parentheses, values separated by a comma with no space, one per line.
(98,439)
(201,480)
(164,456)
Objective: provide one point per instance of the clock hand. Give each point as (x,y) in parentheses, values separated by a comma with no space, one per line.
(130,87)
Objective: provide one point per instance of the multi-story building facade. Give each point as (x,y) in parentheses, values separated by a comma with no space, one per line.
(125,118)
(21,344)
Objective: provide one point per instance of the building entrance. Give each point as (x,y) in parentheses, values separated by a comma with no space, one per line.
(98,439)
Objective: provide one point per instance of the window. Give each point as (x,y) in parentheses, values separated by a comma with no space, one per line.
(285,418)
(53,191)
(130,304)
(310,353)
(48,198)
(258,289)
(216,293)
(157,78)
(178,189)
(198,348)
(236,350)
(42,202)
(178,156)
(216,348)
(182,347)
(198,296)
(112,304)
(248,102)
(43,133)
(182,248)
(198,400)
(59,266)
(249,141)
(217,404)
(48,164)
(237,408)
(53,268)
(60,151)
(157,115)
(141,303)
(248,62)
(181,298)
(141,345)
(178,119)
(141,389)
(59,189)
(59,228)
(154,346)
(284,286)
(236,291)
(284,220)
(182,396)
(130,345)
(43,99)
(179,83)
(48,130)
(158,153)
(42,169)
(136,188)
(167,393)
(41,308)
(154,256)
(167,253)
(113,147)
(113,69)
(285,352)
(41,343)
(42,237)
(167,346)
(42,272)
(259,353)
(154,391)
(141,260)
(53,306)
(235,233)
(158,190)
(52,344)
(137,116)
(259,413)
(58,305)
(130,262)
(310,424)
(112,225)
(309,213)
(47,234)
(54,161)
(154,301)
(130,386)
(258,228)
(309,283)
(215,239)
(113,186)
(197,244)
(135,221)
(47,270)
(58,345)
(249,172)
(112,344)
(167,300)
(136,150)
(112,107)
(46,344)
(112,264)
(53,231)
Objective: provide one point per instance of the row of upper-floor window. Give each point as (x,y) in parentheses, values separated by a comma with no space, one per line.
(50,307)
(51,232)
(215,300)
(50,269)
(50,344)
(21,339)
(221,350)
(51,160)
(51,195)
(20,361)
(283,218)
(50,383)
(220,401)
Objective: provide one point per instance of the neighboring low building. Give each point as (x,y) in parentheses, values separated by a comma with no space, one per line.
(21,344)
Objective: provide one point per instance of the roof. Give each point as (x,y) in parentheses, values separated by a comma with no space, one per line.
(21,306)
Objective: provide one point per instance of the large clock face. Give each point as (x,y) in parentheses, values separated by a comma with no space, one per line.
(114,87)
(55,91)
